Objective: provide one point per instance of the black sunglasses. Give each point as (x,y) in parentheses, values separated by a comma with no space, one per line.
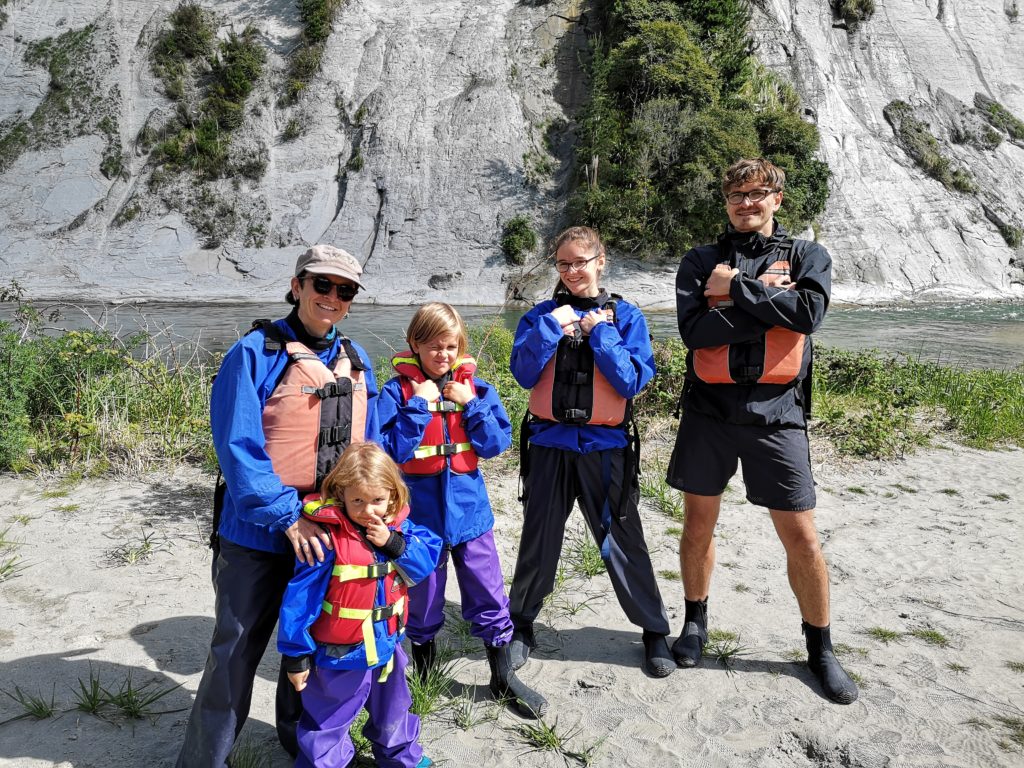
(323,286)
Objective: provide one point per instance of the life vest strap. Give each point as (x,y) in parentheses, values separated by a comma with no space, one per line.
(445,449)
(380,613)
(444,406)
(338,434)
(348,572)
(331,389)
(573,377)
(302,356)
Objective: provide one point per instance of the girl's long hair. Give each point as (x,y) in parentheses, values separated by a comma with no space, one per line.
(366,464)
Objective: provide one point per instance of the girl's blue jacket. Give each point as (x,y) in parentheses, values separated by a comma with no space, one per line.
(622,351)
(304,596)
(257,506)
(454,506)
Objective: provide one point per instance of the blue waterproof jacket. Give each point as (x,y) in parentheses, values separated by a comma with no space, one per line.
(257,506)
(454,506)
(621,351)
(304,596)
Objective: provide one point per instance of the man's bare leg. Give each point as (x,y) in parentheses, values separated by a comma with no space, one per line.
(696,563)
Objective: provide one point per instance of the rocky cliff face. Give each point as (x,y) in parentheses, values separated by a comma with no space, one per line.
(433,123)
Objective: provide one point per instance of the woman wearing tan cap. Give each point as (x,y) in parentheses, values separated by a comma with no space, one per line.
(290,396)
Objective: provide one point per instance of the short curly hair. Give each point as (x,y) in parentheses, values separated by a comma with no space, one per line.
(756,169)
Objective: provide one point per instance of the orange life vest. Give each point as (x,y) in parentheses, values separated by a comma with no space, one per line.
(445,442)
(361,590)
(571,388)
(314,412)
(785,351)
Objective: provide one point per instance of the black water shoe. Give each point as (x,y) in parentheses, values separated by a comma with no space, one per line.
(423,657)
(836,684)
(522,643)
(507,686)
(658,661)
(688,648)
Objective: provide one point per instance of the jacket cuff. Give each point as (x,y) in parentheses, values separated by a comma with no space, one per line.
(297,663)
(394,547)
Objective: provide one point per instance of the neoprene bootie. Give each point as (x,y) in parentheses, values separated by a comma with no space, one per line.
(688,648)
(522,643)
(658,661)
(505,685)
(423,657)
(835,683)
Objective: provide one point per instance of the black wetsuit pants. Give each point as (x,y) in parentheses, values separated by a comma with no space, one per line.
(558,478)
(249,585)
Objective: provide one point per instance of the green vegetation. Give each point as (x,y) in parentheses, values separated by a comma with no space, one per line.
(918,142)
(198,138)
(74,104)
(1013,236)
(317,17)
(1015,666)
(1000,117)
(676,98)
(931,636)
(89,400)
(883,635)
(855,11)
(518,240)
(956,668)
(32,705)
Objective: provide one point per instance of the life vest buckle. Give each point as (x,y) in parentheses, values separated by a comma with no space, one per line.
(337,434)
(447,449)
(445,406)
(576,414)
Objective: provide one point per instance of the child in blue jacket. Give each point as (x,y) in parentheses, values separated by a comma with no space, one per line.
(584,355)
(437,420)
(342,619)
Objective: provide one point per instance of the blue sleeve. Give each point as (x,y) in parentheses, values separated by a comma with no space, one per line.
(799,309)
(301,605)
(401,424)
(622,352)
(701,327)
(536,340)
(372,394)
(422,551)
(236,421)
(486,422)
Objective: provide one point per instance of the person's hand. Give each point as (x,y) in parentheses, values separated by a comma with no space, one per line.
(427,390)
(721,277)
(592,318)
(377,533)
(458,392)
(308,540)
(298,679)
(565,315)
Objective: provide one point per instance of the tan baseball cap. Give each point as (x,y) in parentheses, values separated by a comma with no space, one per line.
(328,260)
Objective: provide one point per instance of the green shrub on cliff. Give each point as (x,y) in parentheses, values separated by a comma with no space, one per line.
(918,142)
(676,98)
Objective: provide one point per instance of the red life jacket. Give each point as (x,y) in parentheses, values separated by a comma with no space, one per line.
(314,412)
(351,605)
(445,442)
(785,352)
(571,388)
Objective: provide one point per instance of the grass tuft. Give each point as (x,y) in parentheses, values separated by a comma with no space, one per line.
(1015,666)
(133,553)
(931,636)
(32,705)
(884,635)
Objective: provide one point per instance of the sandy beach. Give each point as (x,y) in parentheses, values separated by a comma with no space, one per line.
(112,583)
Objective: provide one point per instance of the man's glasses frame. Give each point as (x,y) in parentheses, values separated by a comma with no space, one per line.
(574,266)
(754,195)
(323,286)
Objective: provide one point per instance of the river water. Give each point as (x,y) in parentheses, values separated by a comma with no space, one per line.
(970,335)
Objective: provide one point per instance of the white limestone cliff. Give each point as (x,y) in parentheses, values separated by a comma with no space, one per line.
(449,103)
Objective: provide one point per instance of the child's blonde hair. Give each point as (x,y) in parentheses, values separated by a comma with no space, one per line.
(436,319)
(366,464)
(588,237)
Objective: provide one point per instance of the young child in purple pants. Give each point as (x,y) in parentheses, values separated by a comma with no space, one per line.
(342,620)
(437,420)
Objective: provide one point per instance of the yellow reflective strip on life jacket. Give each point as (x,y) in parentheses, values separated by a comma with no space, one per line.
(350,572)
(402,360)
(387,670)
(445,407)
(310,507)
(327,608)
(426,451)
(366,617)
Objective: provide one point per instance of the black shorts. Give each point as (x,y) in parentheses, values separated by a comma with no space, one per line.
(776,462)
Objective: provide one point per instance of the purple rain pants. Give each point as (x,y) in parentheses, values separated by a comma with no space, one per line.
(482,586)
(331,701)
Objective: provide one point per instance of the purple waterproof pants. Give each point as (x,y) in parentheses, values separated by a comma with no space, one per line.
(482,586)
(332,699)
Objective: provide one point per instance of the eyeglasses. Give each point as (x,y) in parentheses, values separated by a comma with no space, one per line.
(574,266)
(323,286)
(754,195)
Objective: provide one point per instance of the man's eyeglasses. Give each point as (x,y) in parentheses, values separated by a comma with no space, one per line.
(754,195)
(323,286)
(574,266)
